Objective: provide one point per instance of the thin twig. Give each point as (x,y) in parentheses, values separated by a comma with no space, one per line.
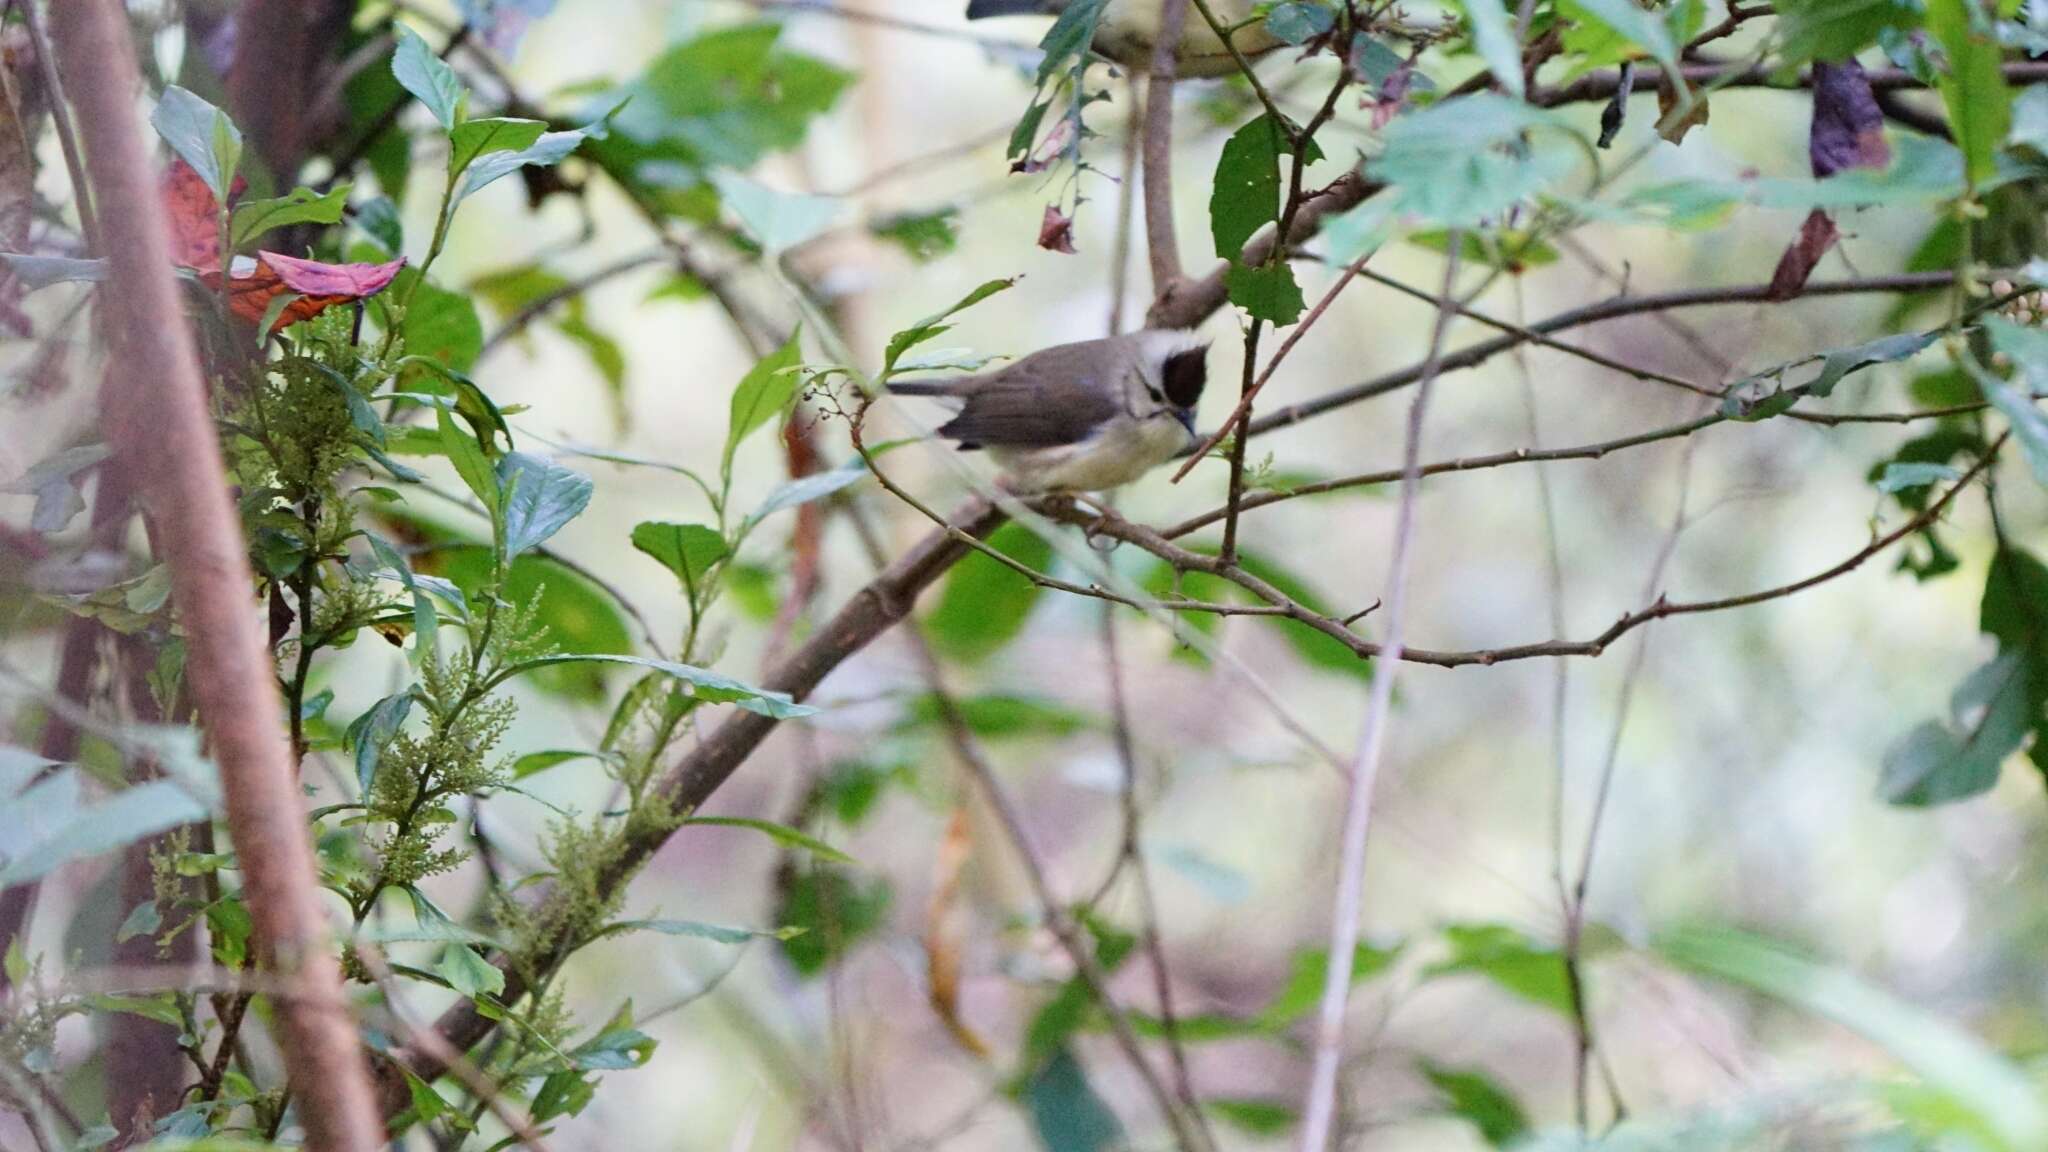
(67,136)
(1244,404)
(1319,1111)
(1188,1124)
(1474,354)
(540,305)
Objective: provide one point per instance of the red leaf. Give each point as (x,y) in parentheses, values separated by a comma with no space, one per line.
(1056,231)
(195,216)
(1816,236)
(318,286)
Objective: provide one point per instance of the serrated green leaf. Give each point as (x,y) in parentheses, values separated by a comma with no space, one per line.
(369,733)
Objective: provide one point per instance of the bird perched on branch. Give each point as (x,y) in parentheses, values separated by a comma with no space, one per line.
(1079,417)
(1129,28)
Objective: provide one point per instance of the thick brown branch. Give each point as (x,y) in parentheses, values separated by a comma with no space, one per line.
(1189,302)
(158,420)
(692,780)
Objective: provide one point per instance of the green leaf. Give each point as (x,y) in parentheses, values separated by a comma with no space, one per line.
(1246,195)
(428,77)
(780,833)
(142,920)
(762,396)
(1493,34)
(2028,424)
(985,603)
(688,550)
(1509,959)
(2001,1096)
(371,731)
(1299,21)
(539,497)
(935,325)
(1939,764)
(1268,1118)
(1477,1097)
(253,218)
(1461,163)
(924,236)
(805,489)
(469,973)
(711,687)
(778,221)
(1899,476)
(1267,292)
(201,135)
(1624,19)
(727,98)
(1972,87)
(470,462)
(1066,1111)
(1837,29)
(1323,652)
(998,717)
(1303,991)
(473,138)
(547,150)
(574,614)
(162,1007)
(833,911)
(440,325)
(718,933)
(1884,350)
(127,816)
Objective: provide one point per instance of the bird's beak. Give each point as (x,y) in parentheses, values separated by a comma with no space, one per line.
(1186,416)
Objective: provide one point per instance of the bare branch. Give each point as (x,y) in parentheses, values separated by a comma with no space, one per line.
(1474,354)
(1320,1109)
(1595,86)
(1159,234)
(156,416)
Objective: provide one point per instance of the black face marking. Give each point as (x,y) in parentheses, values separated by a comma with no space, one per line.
(1184,376)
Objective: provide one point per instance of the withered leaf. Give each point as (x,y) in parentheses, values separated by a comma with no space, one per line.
(1816,236)
(1056,231)
(1674,128)
(1848,126)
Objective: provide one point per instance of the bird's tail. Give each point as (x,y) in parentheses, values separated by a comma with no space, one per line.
(945,386)
(983,9)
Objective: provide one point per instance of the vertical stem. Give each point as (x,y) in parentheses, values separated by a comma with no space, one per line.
(157,418)
(1159,233)
(1320,1112)
(1228,551)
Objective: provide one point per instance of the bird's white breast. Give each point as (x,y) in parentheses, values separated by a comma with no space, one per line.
(1119,453)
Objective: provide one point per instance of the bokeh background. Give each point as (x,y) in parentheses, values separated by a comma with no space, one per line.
(1745,746)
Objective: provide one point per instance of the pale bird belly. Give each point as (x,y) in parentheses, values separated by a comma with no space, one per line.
(1108,460)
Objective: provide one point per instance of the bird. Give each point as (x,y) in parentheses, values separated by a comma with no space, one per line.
(1128,28)
(1082,417)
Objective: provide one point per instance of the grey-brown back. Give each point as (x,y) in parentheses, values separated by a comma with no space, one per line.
(1059,395)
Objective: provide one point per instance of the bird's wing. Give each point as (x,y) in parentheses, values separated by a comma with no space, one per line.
(1058,396)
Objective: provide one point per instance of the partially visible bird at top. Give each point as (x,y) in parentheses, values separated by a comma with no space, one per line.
(1129,28)
(1081,417)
